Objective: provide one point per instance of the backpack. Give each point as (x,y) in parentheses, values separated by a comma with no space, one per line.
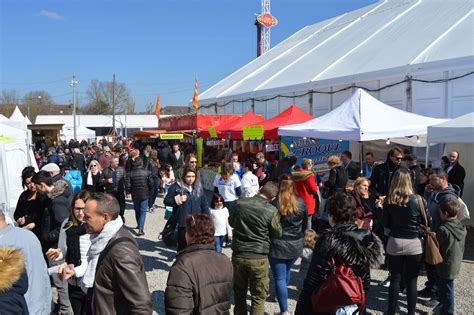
(340,288)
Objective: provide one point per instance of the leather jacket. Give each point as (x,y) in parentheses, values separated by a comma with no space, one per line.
(120,285)
(403,222)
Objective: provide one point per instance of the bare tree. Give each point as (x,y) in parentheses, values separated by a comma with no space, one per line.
(9,97)
(100,93)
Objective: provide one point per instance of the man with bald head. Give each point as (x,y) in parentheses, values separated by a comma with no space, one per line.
(456,173)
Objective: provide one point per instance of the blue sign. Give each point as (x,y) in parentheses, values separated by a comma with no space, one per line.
(318,150)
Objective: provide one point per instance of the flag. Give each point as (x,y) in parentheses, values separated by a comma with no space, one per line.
(157,108)
(195,97)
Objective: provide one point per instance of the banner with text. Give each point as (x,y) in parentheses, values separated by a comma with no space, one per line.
(319,150)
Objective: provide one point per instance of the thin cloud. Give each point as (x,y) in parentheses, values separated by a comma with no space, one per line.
(51,15)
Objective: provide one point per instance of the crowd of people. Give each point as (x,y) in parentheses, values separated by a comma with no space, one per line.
(70,232)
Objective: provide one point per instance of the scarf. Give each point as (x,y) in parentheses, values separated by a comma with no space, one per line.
(98,243)
(90,181)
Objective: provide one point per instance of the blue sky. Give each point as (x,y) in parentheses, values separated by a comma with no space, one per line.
(152,46)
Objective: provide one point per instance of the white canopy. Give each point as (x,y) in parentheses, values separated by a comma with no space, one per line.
(15,155)
(457,130)
(364,118)
(82,133)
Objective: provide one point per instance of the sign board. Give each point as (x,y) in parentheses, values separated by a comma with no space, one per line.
(215,142)
(318,150)
(212,131)
(171,136)
(272,147)
(253,132)
(267,20)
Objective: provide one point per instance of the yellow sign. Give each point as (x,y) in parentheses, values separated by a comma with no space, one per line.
(7,139)
(253,132)
(212,131)
(171,136)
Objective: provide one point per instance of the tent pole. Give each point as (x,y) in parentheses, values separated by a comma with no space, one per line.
(427,154)
(361,157)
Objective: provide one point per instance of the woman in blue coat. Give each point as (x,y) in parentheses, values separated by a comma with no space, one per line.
(186,196)
(74,177)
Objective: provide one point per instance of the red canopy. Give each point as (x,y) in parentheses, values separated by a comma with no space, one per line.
(235,128)
(291,115)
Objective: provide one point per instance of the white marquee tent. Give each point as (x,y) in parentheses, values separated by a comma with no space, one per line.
(364,118)
(378,46)
(15,154)
(82,133)
(457,130)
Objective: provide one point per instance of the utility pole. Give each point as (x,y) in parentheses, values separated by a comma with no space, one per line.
(73,84)
(113,104)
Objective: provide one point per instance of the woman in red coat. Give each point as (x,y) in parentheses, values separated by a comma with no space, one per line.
(305,186)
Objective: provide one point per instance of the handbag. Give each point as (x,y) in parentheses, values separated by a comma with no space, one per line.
(432,254)
(340,288)
(169,235)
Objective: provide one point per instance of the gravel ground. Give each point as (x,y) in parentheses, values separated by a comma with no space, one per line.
(158,260)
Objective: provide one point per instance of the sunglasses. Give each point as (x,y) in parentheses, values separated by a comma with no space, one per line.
(93,165)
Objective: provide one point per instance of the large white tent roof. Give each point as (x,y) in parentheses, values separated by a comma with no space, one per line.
(364,118)
(389,37)
(457,130)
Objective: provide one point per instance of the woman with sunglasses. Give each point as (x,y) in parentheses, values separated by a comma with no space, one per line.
(93,177)
(73,245)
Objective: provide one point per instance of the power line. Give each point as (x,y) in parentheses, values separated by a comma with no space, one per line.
(36,83)
(339,90)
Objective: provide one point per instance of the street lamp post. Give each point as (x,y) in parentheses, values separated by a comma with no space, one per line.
(73,84)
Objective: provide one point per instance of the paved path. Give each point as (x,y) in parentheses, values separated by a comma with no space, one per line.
(158,260)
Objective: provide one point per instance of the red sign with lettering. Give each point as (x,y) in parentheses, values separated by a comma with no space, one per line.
(267,20)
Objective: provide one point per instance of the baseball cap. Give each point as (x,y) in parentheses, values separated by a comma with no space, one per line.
(51,167)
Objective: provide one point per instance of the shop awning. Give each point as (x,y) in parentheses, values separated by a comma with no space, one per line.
(291,115)
(234,129)
(147,133)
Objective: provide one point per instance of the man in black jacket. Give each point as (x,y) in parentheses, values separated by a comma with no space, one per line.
(456,173)
(139,183)
(176,157)
(382,174)
(353,170)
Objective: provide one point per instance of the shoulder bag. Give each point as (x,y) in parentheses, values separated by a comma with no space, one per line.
(432,254)
(340,288)
(169,235)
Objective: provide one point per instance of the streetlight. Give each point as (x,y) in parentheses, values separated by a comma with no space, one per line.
(73,84)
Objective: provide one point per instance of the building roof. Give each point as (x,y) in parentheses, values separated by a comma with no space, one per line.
(98,121)
(389,37)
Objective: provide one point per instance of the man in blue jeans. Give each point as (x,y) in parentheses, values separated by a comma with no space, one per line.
(139,183)
(254,220)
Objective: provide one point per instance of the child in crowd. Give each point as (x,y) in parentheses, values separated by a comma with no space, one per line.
(220,217)
(310,238)
(167,177)
(451,236)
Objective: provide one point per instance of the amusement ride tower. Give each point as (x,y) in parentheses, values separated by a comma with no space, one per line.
(264,22)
